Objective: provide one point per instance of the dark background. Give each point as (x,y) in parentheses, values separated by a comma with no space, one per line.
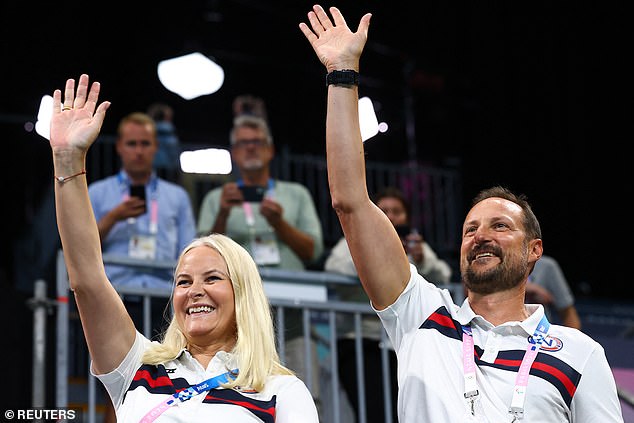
(533,95)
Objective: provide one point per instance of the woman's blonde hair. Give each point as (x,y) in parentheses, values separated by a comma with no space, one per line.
(255,350)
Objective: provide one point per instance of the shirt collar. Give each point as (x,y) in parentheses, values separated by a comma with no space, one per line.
(220,363)
(466,315)
(536,313)
(125,179)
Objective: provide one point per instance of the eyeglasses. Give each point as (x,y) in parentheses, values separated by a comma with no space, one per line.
(256,142)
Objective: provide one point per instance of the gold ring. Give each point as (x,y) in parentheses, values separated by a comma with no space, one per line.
(66,108)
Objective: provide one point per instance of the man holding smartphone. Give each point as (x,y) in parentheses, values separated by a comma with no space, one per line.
(140,215)
(276,221)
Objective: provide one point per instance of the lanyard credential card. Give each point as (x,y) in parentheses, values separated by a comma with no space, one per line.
(187,394)
(521,381)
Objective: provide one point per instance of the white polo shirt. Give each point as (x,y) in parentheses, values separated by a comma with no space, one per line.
(137,388)
(570,380)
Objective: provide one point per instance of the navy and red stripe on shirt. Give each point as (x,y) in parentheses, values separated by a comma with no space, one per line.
(552,369)
(155,380)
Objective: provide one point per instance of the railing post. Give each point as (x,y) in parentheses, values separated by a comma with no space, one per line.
(61,400)
(39,303)
(358,349)
(92,398)
(334,366)
(387,378)
(308,369)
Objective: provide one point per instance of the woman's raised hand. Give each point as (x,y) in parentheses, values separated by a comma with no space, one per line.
(77,121)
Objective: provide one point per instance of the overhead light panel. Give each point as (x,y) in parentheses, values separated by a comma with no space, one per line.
(214,161)
(191,76)
(367,119)
(44,114)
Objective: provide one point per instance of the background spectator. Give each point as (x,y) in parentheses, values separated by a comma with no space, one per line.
(167,158)
(276,221)
(394,204)
(547,285)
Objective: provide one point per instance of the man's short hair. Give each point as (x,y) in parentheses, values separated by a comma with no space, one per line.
(253,122)
(138,118)
(531,224)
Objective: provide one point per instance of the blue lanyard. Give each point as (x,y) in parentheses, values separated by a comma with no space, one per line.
(187,394)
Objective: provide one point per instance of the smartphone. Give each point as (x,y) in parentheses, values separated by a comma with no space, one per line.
(402,230)
(253,194)
(139,192)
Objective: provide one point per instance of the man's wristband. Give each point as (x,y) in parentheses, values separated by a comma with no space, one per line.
(347,77)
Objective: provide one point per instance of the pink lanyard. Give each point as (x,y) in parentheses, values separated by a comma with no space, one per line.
(521,381)
(153,216)
(248,213)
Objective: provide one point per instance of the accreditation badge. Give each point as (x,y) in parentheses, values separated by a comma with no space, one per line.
(142,247)
(265,250)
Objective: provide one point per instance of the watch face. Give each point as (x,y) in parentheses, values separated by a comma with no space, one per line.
(343,77)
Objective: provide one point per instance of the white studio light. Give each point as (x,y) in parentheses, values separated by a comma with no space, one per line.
(213,161)
(367,119)
(191,76)
(43,124)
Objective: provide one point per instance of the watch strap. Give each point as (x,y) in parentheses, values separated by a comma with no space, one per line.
(343,77)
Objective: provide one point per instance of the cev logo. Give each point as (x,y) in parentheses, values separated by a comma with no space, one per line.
(552,344)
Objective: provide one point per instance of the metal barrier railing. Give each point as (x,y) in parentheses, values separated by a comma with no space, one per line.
(330,410)
(434,192)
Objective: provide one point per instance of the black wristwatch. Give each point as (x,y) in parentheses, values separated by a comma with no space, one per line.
(343,77)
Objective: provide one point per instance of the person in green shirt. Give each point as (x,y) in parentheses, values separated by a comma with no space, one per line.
(276,221)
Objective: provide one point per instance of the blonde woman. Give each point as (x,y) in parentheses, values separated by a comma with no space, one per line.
(217,360)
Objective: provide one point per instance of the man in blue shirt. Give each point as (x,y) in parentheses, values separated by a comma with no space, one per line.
(154,228)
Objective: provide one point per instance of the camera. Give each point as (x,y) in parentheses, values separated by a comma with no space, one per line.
(253,194)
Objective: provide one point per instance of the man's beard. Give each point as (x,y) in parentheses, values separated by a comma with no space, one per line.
(506,275)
